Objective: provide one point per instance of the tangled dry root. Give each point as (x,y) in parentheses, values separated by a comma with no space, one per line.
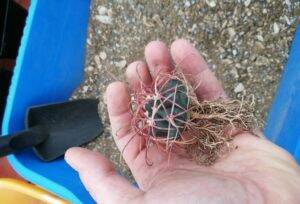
(168,113)
(213,124)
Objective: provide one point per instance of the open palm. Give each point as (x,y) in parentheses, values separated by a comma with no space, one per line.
(256,172)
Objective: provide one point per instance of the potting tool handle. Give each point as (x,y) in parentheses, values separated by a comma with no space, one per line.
(10,144)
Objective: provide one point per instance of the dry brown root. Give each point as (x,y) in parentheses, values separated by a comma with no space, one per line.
(168,113)
(213,124)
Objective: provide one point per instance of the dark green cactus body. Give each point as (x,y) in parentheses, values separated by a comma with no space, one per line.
(170,111)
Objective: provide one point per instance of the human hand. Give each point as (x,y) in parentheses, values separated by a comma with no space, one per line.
(256,172)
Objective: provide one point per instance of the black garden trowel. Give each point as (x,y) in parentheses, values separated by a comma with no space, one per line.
(52,129)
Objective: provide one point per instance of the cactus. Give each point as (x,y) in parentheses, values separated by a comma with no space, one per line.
(169,110)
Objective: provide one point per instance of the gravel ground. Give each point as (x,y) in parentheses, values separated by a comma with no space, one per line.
(245,43)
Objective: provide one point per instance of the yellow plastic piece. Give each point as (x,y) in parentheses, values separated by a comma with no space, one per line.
(14,191)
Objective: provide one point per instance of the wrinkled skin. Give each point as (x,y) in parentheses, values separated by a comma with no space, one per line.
(256,172)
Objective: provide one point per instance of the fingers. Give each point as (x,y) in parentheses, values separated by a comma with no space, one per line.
(158,58)
(195,67)
(100,178)
(137,74)
(118,105)
(158,61)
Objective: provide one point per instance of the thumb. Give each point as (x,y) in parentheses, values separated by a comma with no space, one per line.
(100,178)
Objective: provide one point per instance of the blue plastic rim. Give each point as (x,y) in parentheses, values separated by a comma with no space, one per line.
(49,67)
(283,126)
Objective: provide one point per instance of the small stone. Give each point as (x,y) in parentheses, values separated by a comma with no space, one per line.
(249,13)
(276,28)
(193,28)
(211,3)
(259,46)
(238,65)
(249,70)
(224,24)
(157,20)
(187,4)
(85,89)
(97,60)
(288,3)
(247,3)
(146,23)
(102,10)
(102,55)
(104,19)
(89,68)
(287,20)
(239,88)
(227,61)
(89,42)
(261,60)
(234,52)
(231,32)
(121,64)
(110,12)
(260,38)
(221,49)
(234,73)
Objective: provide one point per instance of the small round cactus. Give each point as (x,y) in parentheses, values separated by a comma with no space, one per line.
(168,110)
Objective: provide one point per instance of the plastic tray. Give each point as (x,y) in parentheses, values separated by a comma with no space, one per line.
(50,65)
(283,123)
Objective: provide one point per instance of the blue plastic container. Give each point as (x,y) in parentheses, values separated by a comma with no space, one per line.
(49,67)
(283,124)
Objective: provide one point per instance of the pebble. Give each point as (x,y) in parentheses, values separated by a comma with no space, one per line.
(234,52)
(102,55)
(211,3)
(157,19)
(146,22)
(247,3)
(287,20)
(104,19)
(231,32)
(88,41)
(110,12)
(226,61)
(276,28)
(239,88)
(238,65)
(89,68)
(97,60)
(234,73)
(288,3)
(85,89)
(187,4)
(259,46)
(261,60)
(102,10)
(121,64)
(260,38)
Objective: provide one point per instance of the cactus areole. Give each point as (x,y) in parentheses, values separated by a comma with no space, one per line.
(167,110)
